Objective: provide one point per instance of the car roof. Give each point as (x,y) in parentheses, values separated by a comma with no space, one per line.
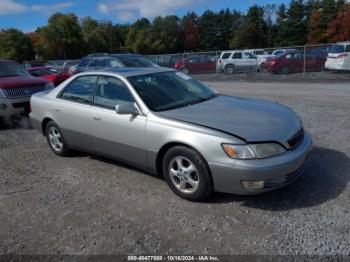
(133,71)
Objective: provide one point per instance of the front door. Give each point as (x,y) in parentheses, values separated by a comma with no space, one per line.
(118,136)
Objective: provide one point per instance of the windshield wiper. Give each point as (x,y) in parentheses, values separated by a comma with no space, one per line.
(202,100)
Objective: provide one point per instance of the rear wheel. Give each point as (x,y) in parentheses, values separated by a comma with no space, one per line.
(187,173)
(56,140)
(229,69)
(262,68)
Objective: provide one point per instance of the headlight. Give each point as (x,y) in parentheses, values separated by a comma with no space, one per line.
(49,86)
(252,151)
(2,93)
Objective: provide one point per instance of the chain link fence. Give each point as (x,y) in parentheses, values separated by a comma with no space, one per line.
(279,60)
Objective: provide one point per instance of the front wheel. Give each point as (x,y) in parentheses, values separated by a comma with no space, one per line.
(55,139)
(187,173)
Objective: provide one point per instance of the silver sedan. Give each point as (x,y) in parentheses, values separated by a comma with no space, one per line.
(163,121)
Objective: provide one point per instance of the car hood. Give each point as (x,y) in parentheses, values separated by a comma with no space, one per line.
(21,81)
(249,119)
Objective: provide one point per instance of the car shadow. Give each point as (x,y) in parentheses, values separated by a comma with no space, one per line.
(326,177)
(18,122)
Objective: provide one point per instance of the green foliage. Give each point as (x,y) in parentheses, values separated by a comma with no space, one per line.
(15,45)
(300,22)
(252,34)
(61,38)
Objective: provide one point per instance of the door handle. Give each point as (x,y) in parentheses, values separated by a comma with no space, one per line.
(57,110)
(96,118)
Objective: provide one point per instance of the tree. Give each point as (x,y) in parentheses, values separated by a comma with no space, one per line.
(15,45)
(253,32)
(189,35)
(293,28)
(339,27)
(164,34)
(61,38)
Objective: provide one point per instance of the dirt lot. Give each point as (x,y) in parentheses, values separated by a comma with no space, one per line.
(90,205)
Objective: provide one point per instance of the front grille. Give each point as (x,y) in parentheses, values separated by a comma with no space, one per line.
(296,139)
(22,92)
(282,180)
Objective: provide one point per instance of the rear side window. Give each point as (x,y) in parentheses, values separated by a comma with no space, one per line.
(111,92)
(237,55)
(226,55)
(336,49)
(113,63)
(98,62)
(80,90)
(249,56)
(347,48)
(84,62)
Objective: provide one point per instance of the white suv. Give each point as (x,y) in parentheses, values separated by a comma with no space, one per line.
(262,55)
(233,61)
(339,57)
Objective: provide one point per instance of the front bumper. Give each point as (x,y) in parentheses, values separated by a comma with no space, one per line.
(275,171)
(11,107)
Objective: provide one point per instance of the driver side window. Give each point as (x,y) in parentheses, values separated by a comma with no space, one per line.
(111,92)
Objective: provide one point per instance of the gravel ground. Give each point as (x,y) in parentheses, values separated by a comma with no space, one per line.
(90,205)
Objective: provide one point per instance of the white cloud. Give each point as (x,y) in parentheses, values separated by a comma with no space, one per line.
(146,8)
(12,7)
(103,8)
(126,15)
(51,8)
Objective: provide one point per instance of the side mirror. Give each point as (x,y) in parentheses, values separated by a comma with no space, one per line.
(127,109)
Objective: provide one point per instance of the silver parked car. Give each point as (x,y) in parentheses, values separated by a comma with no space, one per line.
(164,121)
(233,61)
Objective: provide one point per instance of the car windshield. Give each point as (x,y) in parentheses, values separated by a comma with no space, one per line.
(336,49)
(136,61)
(170,90)
(12,69)
(43,71)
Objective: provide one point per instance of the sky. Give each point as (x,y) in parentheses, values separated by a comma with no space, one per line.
(27,15)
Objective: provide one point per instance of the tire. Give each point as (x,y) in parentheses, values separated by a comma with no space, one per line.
(56,140)
(229,69)
(262,68)
(187,173)
(285,70)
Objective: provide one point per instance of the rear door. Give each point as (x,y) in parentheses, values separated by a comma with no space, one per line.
(237,59)
(250,61)
(72,111)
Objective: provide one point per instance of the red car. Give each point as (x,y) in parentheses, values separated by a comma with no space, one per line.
(49,73)
(16,88)
(196,64)
(292,62)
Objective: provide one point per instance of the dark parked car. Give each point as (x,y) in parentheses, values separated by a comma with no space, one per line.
(16,88)
(292,62)
(49,73)
(197,64)
(167,60)
(104,61)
